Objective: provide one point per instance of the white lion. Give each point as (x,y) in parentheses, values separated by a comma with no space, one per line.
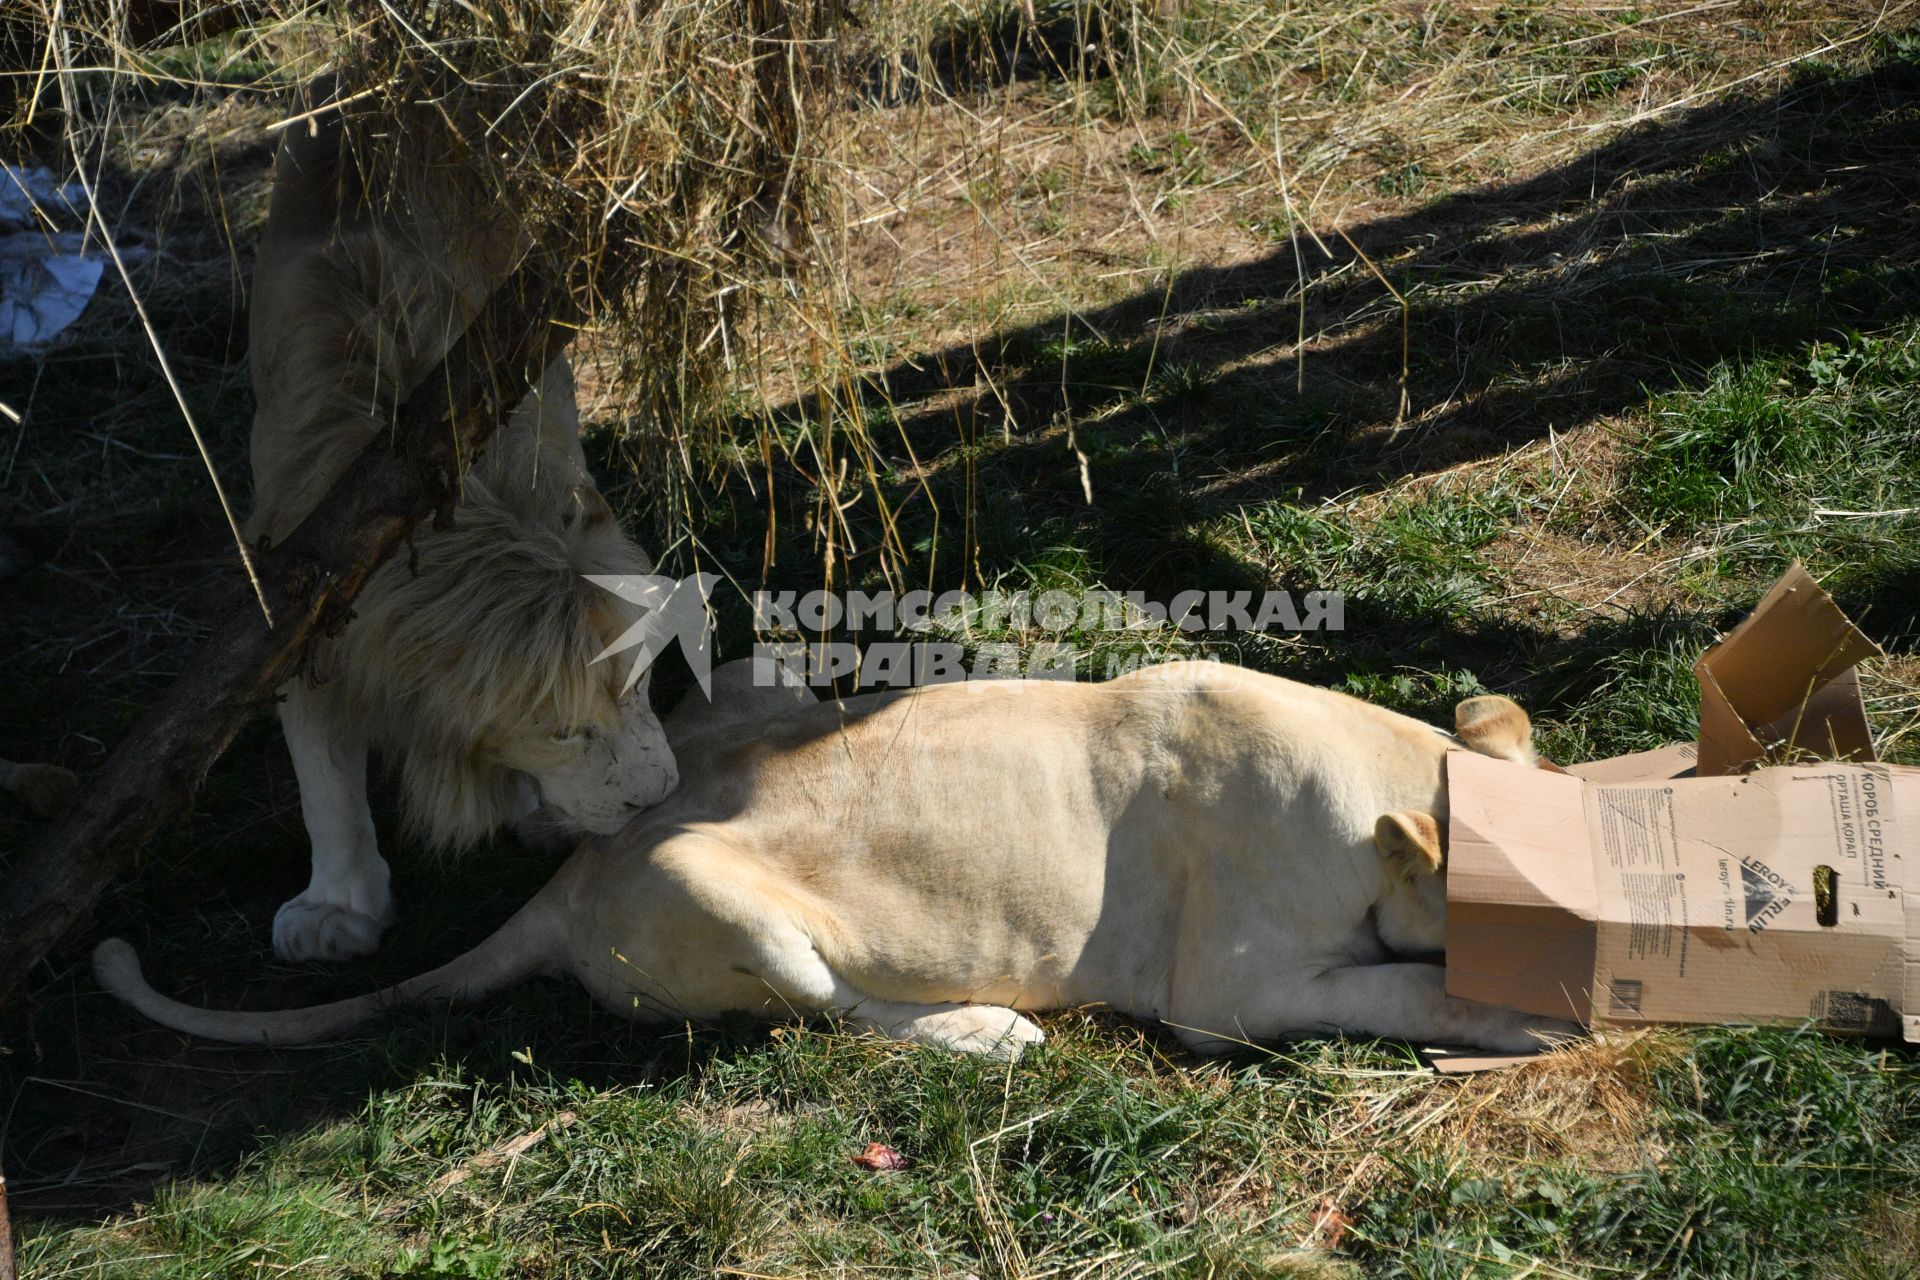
(1242,861)
(469,654)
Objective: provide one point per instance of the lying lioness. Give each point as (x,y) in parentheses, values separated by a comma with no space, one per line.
(1237,855)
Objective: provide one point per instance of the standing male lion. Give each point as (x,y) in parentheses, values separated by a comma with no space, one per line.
(470,659)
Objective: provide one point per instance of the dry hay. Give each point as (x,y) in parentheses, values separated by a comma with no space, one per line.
(1592,1103)
(660,155)
(990,164)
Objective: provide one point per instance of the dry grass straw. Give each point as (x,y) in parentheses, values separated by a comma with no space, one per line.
(1027,162)
(996,162)
(659,155)
(1591,1104)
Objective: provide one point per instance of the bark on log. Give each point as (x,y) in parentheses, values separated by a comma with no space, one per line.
(405,475)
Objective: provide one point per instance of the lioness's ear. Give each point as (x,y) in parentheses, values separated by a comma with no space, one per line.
(1495,726)
(1410,842)
(587,508)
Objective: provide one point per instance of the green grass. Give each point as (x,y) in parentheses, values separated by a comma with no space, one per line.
(1760,1154)
(1646,371)
(1739,1152)
(1814,454)
(1835,426)
(1417,554)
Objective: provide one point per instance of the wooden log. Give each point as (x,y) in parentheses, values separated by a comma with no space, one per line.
(406,474)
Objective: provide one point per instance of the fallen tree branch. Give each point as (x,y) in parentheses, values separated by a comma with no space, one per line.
(406,474)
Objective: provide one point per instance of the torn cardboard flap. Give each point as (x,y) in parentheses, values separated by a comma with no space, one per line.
(1673,761)
(1781,896)
(1784,675)
(1448,1061)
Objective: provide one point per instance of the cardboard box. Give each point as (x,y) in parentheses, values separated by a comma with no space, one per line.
(1667,886)
(1775,896)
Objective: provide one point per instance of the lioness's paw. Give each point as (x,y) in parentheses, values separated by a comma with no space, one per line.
(1524,1034)
(308,929)
(985,1029)
(1550,1033)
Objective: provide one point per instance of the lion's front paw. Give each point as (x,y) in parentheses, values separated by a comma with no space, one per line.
(310,928)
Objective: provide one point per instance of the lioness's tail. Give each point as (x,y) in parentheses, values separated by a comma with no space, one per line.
(518,949)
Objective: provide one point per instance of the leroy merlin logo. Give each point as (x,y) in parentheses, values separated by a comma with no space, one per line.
(1767,894)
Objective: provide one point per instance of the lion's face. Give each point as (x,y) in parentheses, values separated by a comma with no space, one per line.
(599,774)
(598,764)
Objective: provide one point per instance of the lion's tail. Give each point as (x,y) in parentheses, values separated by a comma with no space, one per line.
(525,945)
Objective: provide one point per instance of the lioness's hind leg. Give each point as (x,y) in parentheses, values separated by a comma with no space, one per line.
(1407,1001)
(989,1030)
(798,974)
(742,941)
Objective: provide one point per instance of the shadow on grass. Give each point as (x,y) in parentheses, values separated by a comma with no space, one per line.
(106,1108)
(1735,229)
